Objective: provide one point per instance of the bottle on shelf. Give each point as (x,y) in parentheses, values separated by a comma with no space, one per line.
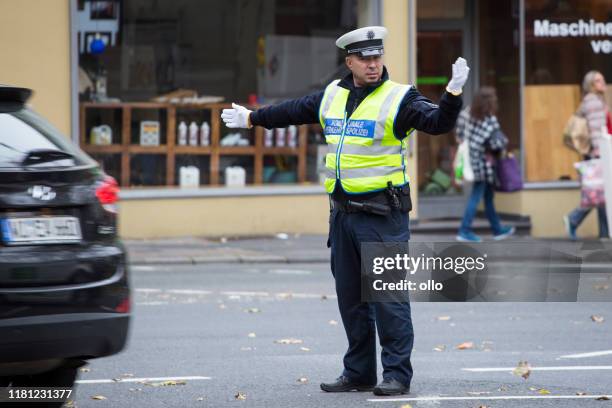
(182,134)
(280,137)
(205,134)
(268,137)
(193,134)
(292,136)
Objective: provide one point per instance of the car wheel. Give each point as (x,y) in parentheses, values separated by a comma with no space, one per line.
(60,377)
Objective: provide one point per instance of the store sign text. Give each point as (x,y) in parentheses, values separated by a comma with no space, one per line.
(580,28)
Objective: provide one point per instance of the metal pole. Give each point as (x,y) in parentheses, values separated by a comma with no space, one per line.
(522,84)
(74,74)
(605,152)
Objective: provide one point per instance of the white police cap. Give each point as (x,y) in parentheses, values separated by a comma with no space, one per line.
(365,41)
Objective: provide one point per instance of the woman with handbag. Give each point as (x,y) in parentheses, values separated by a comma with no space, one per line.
(479,126)
(594,109)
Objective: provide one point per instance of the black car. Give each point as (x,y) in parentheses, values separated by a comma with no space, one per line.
(64,292)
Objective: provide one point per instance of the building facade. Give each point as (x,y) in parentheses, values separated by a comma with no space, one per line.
(140,84)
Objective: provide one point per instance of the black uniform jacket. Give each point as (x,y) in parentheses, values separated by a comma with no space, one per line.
(416,111)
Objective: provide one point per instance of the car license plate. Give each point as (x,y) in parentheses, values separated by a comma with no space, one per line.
(40,230)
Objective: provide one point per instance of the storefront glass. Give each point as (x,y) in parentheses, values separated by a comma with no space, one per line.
(564,40)
(154,76)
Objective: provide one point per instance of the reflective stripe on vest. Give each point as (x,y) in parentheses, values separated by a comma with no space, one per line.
(363,152)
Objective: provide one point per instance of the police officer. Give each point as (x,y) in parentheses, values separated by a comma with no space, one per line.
(366,119)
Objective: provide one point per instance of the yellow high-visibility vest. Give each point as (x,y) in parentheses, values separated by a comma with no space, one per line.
(363,151)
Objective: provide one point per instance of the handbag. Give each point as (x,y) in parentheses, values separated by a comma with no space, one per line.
(576,134)
(462,165)
(508,174)
(591,183)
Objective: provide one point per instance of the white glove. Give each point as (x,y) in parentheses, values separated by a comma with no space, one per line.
(460,76)
(237,117)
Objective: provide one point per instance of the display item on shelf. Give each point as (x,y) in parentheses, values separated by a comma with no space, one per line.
(268,137)
(280,137)
(149,133)
(182,134)
(234,139)
(292,136)
(193,134)
(189,176)
(235,176)
(204,134)
(101,135)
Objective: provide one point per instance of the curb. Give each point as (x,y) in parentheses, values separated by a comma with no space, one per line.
(242,259)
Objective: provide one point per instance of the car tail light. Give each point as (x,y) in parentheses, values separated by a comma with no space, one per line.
(108,194)
(124,306)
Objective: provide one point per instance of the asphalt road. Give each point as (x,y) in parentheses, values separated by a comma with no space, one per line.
(220,326)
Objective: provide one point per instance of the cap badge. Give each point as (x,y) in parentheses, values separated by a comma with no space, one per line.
(370,35)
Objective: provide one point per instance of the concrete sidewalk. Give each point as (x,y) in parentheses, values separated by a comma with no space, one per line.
(283,248)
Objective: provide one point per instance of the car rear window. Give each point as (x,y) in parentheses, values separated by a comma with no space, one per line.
(24,131)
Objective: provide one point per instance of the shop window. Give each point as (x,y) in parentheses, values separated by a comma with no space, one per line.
(147,67)
(564,40)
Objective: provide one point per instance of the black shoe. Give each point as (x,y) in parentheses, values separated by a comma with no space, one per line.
(345,384)
(391,386)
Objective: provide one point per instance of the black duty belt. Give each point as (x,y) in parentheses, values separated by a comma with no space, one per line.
(391,198)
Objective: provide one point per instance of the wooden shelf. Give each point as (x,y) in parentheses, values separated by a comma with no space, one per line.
(237,150)
(215,151)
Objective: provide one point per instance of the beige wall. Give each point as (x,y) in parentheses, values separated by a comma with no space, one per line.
(546,209)
(35,45)
(399,56)
(225,216)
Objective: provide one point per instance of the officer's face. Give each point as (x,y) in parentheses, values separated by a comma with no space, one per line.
(366,70)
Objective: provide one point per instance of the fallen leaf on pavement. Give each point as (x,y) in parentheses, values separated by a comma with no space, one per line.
(333,322)
(581,393)
(251,335)
(304,349)
(284,295)
(441,347)
(503,388)
(444,318)
(135,389)
(602,398)
(85,370)
(543,391)
(406,406)
(302,380)
(597,319)
(98,397)
(69,404)
(323,297)
(166,383)
(523,369)
(290,340)
(240,396)
(253,310)
(200,399)
(465,346)
(600,287)
(478,392)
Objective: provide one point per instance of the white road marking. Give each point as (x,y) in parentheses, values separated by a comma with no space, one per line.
(189,291)
(591,354)
(142,268)
(148,290)
(145,379)
(557,368)
(501,397)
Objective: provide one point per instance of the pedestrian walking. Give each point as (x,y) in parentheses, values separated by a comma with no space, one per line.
(597,114)
(367,119)
(478,125)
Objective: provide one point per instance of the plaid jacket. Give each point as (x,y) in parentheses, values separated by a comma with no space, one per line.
(483,136)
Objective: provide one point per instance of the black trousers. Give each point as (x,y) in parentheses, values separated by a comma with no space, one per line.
(362,319)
